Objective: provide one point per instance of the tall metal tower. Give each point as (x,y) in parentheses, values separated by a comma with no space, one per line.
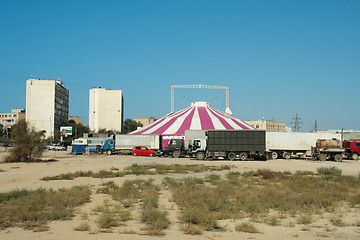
(199,86)
(316,126)
(296,123)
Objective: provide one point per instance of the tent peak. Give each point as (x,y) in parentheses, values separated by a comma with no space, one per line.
(199,104)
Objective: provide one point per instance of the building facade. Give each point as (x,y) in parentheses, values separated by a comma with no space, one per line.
(269,126)
(9,119)
(76,119)
(105,109)
(47,105)
(145,121)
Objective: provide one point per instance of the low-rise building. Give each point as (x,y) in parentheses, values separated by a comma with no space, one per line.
(77,120)
(9,119)
(269,126)
(145,121)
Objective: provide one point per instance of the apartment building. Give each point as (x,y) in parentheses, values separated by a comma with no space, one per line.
(47,104)
(270,126)
(9,119)
(105,109)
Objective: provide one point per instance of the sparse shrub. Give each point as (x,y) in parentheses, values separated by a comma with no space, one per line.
(329,171)
(108,219)
(337,222)
(213,178)
(273,220)
(155,218)
(201,217)
(82,227)
(246,227)
(304,219)
(28,143)
(191,229)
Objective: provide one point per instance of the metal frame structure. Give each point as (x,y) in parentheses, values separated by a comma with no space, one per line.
(198,86)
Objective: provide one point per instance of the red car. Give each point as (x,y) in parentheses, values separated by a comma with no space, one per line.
(142,151)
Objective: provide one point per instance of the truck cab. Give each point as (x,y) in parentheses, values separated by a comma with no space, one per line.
(197,148)
(352,148)
(109,146)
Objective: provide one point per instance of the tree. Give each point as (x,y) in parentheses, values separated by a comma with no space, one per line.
(130,126)
(28,143)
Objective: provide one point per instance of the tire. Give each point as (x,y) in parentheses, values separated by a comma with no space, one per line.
(243,156)
(176,154)
(200,156)
(355,156)
(322,157)
(231,156)
(338,158)
(286,155)
(151,155)
(109,152)
(274,155)
(134,154)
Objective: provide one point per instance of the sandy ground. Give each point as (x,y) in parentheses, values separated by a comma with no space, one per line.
(28,175)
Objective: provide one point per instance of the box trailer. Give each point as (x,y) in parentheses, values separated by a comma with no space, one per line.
(286,144)
(230,144)
(123,143)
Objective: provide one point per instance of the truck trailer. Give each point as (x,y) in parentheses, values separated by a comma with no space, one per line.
(286,144)
(229,144)
(124,143)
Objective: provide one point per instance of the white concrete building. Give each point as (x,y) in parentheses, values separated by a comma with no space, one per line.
(47,104)
(105,109)
(9,119)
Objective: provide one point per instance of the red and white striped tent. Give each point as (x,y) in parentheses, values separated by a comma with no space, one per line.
(199,116)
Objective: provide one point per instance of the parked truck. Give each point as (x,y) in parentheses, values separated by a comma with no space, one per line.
(82,145)
(228,144)
(175,148)
(352,148)
(286,144)
(328,149)
(123,143)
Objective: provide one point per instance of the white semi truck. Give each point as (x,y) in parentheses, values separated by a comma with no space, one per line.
(286,144)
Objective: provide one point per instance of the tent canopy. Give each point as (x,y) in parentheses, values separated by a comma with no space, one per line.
(199,116)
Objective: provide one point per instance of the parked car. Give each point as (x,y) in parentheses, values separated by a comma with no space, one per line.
(56,147)
(142,151)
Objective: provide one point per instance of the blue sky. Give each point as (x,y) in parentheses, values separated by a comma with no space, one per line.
(279,58)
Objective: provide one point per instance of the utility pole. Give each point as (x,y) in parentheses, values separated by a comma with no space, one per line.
(315,125)
(297,123)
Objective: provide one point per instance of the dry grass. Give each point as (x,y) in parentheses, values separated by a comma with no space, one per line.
(146,193)
(33,209)
(135,169)
(255,194)
(246,227)
(83,227)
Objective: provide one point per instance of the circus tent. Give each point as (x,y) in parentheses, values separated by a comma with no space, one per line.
(199,116)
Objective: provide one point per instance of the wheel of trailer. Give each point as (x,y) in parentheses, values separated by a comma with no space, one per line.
(135,154)
(322,157)
(274,155)
(231,156)
(286,155)
(200,156)
(151,155)
(243,156)
(338,158)
(355,156)
(176,154)
(109,152)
